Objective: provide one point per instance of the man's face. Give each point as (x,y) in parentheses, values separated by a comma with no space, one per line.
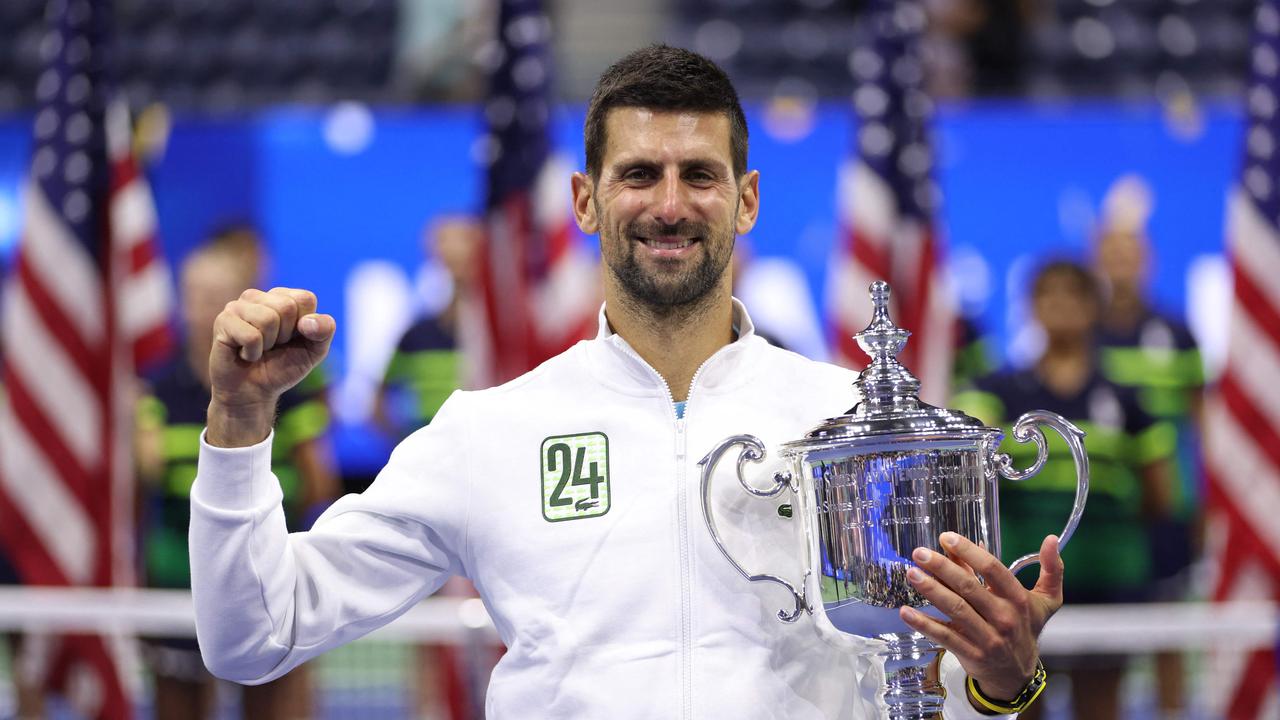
(1063,308)
(666,205)
(1122,258)
(208,282)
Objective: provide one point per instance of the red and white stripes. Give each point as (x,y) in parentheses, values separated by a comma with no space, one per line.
(1242,458)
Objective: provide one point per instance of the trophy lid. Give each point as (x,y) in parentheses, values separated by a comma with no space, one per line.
(889,394)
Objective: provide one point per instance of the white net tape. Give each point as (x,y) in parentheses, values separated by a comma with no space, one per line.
(1081,629)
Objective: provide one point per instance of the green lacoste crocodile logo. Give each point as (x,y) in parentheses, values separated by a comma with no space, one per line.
(575,476)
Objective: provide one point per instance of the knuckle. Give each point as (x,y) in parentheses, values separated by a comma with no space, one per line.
(251,294)
(1005,623)
(969,586)
(991,646)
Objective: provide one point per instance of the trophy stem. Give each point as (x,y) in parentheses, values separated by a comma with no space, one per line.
(913,690)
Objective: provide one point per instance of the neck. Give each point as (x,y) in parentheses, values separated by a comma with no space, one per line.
(675,342)
(1124,308)
(448,317)
(1065,365)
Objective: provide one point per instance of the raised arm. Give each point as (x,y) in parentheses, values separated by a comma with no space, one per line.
(266,600)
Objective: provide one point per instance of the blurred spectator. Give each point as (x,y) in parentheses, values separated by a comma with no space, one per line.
(1155,355)
(972,355)
(426,366)
(424,370)
(1108,557)
(997,45)
(440,48)
(170,421)
(976,47)
(948,67)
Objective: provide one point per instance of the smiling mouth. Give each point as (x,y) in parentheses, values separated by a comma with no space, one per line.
(668,243)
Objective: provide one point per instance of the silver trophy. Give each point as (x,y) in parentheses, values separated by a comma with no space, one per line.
(872,485)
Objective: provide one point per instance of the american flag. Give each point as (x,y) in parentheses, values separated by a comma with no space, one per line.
(89,297)
(1242,419)
(539,285)
(887,198)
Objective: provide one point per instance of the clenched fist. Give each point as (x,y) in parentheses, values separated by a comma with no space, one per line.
(263,344)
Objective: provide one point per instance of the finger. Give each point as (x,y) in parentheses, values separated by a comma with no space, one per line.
(1052,570)
(959,579)
(960,561)
(238,336)
(965,618)
(305,299)
(939,632)
(286,306)
(263,317)
(994,572)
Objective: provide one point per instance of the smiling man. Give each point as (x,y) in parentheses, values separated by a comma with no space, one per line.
(568,496)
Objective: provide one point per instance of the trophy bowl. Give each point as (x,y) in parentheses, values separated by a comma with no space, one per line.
(872,485)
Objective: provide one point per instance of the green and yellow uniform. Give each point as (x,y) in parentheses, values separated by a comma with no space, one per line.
(176,407)
(424,370)
(1160,361)
(1108,559)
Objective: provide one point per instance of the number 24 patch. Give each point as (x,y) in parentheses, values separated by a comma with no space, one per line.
(575,476)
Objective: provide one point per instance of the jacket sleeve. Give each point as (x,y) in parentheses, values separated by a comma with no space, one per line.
(267,601)
(956,706)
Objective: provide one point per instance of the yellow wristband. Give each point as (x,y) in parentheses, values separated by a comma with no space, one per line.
(1028,694)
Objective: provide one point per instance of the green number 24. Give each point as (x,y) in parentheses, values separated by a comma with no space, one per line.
(566,474)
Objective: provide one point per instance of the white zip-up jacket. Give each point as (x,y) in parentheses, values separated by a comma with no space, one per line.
(570,497)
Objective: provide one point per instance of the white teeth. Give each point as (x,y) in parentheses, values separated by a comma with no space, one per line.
(675,245)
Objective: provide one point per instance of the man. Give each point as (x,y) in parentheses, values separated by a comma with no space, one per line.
(1129,455)
(426,366)
(1155,355)
(170,418)
(424,370)
(612,601)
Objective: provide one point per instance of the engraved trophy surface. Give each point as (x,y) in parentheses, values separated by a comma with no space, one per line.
(872,485)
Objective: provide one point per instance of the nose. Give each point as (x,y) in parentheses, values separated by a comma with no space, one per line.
(671,204)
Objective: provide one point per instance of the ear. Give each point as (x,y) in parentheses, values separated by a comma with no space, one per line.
(584,209)
(748,202)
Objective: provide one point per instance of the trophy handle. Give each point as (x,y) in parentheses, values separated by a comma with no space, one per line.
(1027,428)
(752,451)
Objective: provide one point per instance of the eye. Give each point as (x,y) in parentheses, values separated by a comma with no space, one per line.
(700,176)
(638,174)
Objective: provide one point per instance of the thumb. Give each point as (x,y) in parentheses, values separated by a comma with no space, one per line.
(318,329)
(1049,583)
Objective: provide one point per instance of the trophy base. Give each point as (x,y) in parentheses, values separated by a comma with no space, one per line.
(913,690)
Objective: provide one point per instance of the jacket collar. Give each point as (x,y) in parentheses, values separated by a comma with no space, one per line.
(616,364)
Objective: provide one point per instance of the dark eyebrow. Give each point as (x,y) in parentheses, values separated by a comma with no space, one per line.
(712,164)
(716,166)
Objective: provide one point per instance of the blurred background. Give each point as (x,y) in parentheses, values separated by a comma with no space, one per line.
(363,145)
(342,128)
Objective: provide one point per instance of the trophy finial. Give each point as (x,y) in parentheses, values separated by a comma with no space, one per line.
(880,295)
(885,384)
(882,340)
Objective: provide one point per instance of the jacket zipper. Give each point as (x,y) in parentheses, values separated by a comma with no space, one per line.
(686,562)
(682,515)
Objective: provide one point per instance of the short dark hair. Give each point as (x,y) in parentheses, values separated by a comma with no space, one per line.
(661,77)
(1084,280)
